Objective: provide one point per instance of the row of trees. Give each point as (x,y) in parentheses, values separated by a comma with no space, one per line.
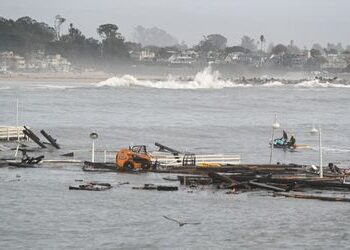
(26,35)
(218,42)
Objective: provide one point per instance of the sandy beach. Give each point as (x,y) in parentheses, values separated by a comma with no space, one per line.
(85,77)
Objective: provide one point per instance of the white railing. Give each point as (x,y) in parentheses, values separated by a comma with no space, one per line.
(11,133)
(167,159)
(163,158)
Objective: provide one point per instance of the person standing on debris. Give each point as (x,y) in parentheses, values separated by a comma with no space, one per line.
(291,143)
(285,136)
(25,157)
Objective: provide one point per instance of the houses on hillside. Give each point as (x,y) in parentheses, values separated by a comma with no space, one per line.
(304,59)
(293,59)
(33,62)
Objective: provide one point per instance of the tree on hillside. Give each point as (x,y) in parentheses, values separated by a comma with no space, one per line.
(315,52)
(108,31)
(78,49)
(25,34)
(248,43)
(279,49)
(217,41)
(316,57)
(113,46)
(234,49)
(213,42)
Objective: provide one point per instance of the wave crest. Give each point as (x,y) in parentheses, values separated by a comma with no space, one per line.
(205,79)
(210,79)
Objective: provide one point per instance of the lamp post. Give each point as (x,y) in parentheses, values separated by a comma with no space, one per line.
(17,128)
(275,125)
(93,137)
(314,131)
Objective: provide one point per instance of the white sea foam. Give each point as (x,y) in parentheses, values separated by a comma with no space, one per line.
(317,84)
(273,84)
(208,79)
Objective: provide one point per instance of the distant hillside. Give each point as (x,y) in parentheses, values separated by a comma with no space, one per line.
(153,36)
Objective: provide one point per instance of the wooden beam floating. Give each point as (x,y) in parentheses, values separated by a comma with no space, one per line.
(50,139)
(32,136)
(312,196)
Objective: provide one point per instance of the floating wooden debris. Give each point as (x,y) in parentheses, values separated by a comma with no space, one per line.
(313,197)
(70,154)
(32,136)
(194,179)
(167,188)
(27,162)
(266,186)
(99,167)
(50,139)
(123,183)
(92,186)
(171,178)
(157,187)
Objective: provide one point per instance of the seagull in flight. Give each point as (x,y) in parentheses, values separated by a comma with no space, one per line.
(180,222)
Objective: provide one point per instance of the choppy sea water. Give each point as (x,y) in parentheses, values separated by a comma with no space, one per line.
(39,212)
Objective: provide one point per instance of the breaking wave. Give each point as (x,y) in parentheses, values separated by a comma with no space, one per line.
(273,84)
(206,79)
(318,84)
(210,79)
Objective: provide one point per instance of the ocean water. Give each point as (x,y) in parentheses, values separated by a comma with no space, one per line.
(204,114)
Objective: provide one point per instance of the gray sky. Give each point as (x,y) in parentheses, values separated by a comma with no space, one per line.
(304,21)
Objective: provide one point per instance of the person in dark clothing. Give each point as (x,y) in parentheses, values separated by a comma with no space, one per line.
(291,143)
(285,136)
(25,157)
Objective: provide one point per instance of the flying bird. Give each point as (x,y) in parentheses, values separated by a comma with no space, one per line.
(180,222)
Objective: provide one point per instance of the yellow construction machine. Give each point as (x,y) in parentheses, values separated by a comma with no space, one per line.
(133,158)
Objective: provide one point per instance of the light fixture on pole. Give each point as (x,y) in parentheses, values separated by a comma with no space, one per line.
(93,137)
(314,131)
(275,125)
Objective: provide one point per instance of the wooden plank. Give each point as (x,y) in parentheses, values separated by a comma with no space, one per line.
(220,178)
(266,186)
(32,136)
(313,197)
(50,139)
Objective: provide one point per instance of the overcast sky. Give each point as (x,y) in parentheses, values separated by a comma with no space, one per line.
(304,21)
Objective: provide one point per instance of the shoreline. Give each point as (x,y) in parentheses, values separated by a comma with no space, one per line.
(86,77)
(98,76)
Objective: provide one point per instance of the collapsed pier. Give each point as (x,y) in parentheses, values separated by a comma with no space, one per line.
(190,171)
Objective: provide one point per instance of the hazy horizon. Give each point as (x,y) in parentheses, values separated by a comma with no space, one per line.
(305,22)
